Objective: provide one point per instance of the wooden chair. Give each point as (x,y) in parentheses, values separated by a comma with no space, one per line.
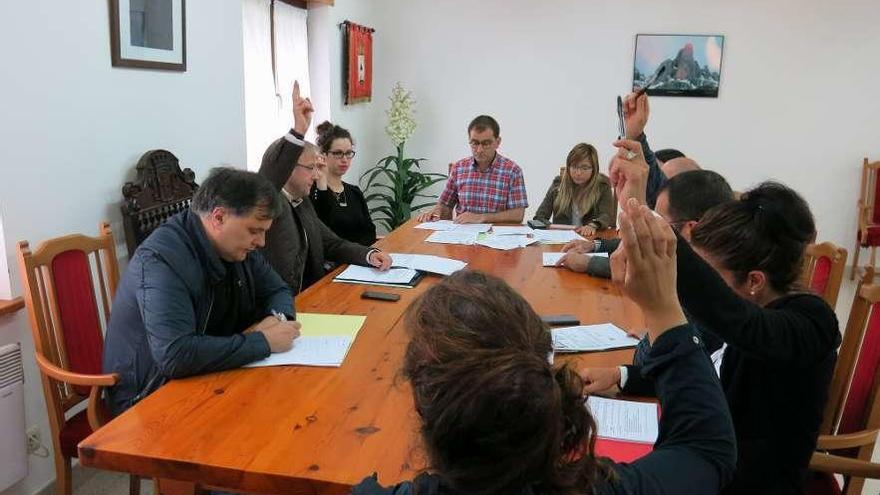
(823,270)
(856,419)
(66,320)
(868,235)
(160,191)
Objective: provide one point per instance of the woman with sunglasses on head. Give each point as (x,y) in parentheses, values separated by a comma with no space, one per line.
(581,196)
(496,417)
(340,205)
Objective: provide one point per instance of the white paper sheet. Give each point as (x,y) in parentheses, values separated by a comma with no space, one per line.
(447,225)
(556,236)
(512,230)
(453,237)
(584,338)
(550,259)
(505,242)
(436,225)
(367,274)
(624,420)
(325,350)
(427,263)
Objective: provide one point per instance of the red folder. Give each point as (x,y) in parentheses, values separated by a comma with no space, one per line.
(620,451)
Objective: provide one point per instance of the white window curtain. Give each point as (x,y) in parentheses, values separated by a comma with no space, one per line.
(268,115)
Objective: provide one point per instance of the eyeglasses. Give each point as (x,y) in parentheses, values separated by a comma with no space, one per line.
(484,143)
(339,154)
(310,168)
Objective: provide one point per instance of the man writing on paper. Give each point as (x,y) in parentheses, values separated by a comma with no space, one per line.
(485,187)
(299,242)
(197,297)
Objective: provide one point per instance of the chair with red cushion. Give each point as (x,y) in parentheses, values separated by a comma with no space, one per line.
(868,235)
(854,420)
(823,270)
(69,283)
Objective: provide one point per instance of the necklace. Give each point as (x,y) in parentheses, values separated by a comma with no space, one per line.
(340,197)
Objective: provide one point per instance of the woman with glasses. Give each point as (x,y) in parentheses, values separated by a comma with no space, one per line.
(581,196)
(340,205)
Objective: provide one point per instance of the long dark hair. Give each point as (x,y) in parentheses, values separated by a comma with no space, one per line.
(495,416)
(768,230)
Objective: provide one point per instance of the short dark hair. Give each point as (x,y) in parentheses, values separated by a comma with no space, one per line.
(667,154)
(496,417)
(329,132)
(693,193)
(768,230)
(483,122)
(237,190)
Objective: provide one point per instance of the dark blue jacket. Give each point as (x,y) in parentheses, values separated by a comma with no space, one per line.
(157,325)
(695,453)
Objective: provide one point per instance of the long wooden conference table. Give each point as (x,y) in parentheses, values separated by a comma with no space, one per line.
(308,430)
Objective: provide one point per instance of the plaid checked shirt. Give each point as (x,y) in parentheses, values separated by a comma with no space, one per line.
(499,188)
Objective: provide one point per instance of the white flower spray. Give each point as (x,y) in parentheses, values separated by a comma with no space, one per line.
(401,123)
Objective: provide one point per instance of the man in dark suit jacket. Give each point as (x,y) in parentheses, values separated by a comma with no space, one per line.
(298,243)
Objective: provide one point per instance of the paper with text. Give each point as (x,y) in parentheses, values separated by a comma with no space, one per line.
(556,236)
(512,230)
(505,242)
(427,263)
(453,237)
(624,420)
(356,273)
(583,338)
(324,341)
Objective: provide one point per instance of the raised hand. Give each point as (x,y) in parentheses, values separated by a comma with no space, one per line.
(628,172)
(635,114)
(644,267)
(302,111)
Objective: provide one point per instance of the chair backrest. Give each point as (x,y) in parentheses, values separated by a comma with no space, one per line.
(870,213)
(161,190)
(823,270)
(63,305)
(858,408)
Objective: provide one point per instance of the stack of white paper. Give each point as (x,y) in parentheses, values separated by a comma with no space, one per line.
(453,237)
(355,273)
(446,225)
(506,242)
(427,263)
(624,420)
(583,338)
(556,236)
(512,230)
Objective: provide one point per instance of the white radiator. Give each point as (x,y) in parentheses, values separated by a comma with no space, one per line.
(13,441)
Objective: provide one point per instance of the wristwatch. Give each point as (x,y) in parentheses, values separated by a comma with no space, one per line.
(597,245)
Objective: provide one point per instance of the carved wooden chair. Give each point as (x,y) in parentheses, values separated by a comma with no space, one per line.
(868,235)
(69,283)
(852,418)
(823,270)
(161,190)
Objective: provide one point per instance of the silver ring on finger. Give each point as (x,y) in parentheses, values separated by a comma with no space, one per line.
(630,154)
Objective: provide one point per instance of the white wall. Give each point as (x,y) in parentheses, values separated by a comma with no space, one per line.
(74,127)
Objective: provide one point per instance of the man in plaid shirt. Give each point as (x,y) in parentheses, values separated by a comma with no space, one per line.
(485,187)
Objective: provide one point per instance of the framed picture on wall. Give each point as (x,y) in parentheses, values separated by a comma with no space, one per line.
(149,34)
(678,64)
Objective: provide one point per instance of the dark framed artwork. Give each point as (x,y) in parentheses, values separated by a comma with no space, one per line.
(678,64)
(149,34)
(357,63)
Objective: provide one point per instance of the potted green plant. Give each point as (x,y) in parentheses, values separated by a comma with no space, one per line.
(395,182)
